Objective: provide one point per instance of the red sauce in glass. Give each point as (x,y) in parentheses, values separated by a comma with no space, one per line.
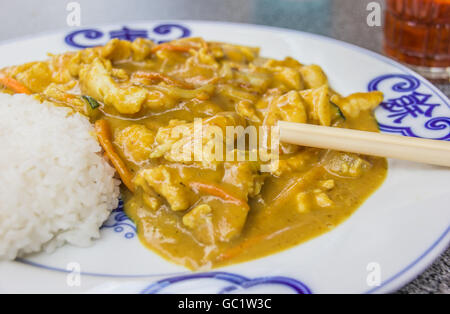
(417,32)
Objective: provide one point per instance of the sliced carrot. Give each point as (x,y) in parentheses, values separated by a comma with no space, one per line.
(162,77)
(171,47)
(218,192)
(241,248)
(14,85)
(104,137)
(296,187)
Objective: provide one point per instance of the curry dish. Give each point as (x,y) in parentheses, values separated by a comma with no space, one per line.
(206,212)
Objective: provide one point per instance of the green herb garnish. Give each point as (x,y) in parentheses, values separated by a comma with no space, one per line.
(339,111)
(91,101)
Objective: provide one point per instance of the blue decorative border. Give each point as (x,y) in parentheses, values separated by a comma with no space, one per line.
(411,265)
(412,108)
(96,37)
(236,281)
(120,222)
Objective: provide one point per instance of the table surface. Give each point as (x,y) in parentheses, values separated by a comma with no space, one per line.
(342,19)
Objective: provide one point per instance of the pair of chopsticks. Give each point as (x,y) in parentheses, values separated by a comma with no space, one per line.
(368,143)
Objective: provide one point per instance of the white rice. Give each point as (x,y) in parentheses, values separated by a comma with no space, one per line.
(55,187)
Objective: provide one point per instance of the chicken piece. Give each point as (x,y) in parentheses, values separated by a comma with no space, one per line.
(37,77)
(119,74)
(327,184)
(346,164)
(200,221)
(58,65)
(258,79)
(226,71)
(322,199)
(229,214)
(119,50)
(288,107)
(318,105)
(244,177)
(96,81)
(177,142)
(295,162)
(313,76)
(166,137)
(251,78)
(195,217)
(116,50)
(234,53)
(229,220)
(247,110)
(164,181)
(216,222)
(80,59)
(141,48)
(288,76)
(286,62)
(135,142)
(271,95)
(205,58)
(352,105)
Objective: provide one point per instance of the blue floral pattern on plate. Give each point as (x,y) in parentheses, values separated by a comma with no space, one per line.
(411,108)
(121,223)
(87,38)
(236,282)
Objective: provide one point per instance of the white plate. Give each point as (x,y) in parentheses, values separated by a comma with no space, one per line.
(393,237)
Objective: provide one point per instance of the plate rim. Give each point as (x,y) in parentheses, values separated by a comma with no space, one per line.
(395,282)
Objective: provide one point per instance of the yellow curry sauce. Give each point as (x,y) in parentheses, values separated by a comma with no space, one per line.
(209,213)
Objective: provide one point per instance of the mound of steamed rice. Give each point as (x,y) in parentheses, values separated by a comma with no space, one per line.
(55,187)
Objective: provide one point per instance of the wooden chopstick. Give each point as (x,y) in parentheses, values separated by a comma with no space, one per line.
(368,143)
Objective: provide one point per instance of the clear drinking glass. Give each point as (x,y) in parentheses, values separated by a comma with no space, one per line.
(417,33)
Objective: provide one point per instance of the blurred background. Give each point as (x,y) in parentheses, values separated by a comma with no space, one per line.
(341,19)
